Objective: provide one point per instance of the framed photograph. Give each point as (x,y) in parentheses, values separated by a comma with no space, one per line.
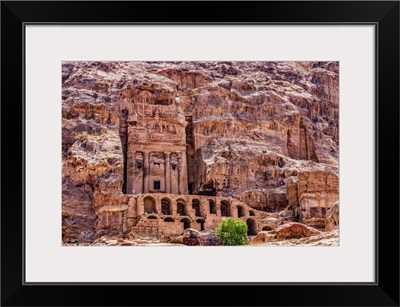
(249,150)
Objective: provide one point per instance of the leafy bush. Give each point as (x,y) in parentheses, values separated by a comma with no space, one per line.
(232,232)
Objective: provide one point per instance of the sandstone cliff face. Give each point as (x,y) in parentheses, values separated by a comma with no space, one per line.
(264,133)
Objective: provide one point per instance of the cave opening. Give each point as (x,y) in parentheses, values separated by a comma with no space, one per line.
(213,209)
(201,222)
(181,208)
(196,207)
(186,223)
(251,227)
(240,211)
(190,188)
(224,208)
(208,189)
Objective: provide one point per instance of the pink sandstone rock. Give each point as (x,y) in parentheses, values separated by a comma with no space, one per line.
(153,148)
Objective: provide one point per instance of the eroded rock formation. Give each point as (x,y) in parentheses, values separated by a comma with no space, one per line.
(284,232)
(153,148)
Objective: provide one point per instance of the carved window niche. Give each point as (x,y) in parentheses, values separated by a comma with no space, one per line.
(240,211)
(181,208)
(157,185)
(196,207)
(201,222)
(251,227)
(166,206)
(213,208)
(224,208)
(186,223)
(149,205)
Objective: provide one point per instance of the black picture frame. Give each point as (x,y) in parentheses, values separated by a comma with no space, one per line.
(383,14)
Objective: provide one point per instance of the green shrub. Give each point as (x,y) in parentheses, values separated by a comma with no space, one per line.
(232,232)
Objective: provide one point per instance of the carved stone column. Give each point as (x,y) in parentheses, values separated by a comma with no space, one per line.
(183,180)
(130,176)
(168,172)
(158,205)
(218,208)
(233,211)
(140,206)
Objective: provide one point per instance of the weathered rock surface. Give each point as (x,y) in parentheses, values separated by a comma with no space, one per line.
(310,194)
(329,238)
(332,218)
(178,240)
(192,237)
(262,133)
(262,237)
(285,232)
(114,241)
(294,230)
(210,239)
(78,216)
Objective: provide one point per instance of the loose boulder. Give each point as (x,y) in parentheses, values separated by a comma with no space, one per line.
(192,237)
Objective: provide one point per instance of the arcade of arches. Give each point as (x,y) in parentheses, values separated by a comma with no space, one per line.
(168,215)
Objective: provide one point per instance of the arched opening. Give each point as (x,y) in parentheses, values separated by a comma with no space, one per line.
(240,211)
(201,222)
(186,223)
(149,205)
(169,219)
(224,208)
(152,217)
(251,213)
(166,206)
(251,227)
(196,207)
(213,209)
(266,228)
(181,207)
